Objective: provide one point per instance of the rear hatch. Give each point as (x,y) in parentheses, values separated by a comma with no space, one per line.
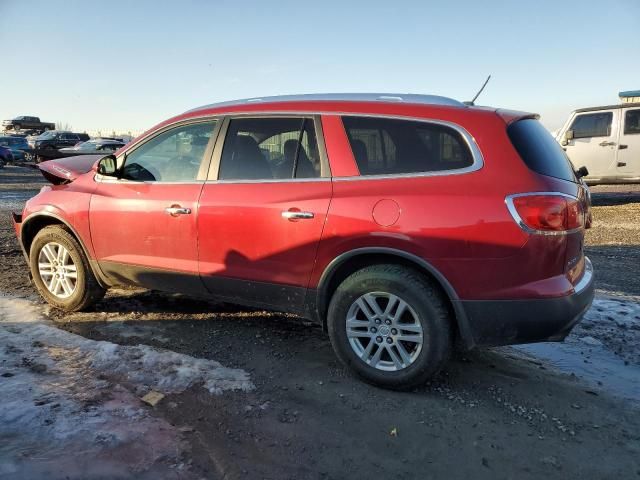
(66,170)
(543,155)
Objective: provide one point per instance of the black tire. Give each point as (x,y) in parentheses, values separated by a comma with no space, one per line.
(426,301)
(87,289)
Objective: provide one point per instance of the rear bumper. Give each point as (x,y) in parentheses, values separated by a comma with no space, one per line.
(508,322)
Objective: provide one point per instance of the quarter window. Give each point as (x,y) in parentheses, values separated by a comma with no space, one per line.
(592,125)
(632,122)
(172,156)
(383,146)
(270,148)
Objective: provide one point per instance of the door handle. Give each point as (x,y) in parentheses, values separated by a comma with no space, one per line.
(296,215)
(175,210)
(623,147)
(606,144)
(622,164)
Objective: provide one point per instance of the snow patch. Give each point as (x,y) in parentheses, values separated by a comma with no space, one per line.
(613,322)
(70,404)
(603,349)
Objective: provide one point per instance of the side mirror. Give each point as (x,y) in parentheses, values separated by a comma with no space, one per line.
(568,135)
(107,166)
(582,172)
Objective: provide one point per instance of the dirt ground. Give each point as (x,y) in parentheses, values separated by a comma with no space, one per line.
(494,414)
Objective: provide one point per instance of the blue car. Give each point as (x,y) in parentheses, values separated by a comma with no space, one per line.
(17,146)
(5,156)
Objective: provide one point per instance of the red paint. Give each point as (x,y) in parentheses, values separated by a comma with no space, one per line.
(458,223)
(386,212)
(243,235)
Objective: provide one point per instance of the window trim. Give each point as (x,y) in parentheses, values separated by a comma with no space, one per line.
(213,162)
(476,154)
(624,119)
(206,158)
(594,113)
(325,171)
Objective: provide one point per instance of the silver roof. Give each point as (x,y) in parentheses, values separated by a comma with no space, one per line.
(343,97)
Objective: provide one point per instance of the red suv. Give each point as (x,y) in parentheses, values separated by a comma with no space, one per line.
(401,223)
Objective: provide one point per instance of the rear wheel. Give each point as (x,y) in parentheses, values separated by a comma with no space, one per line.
(61,271)
(390,325)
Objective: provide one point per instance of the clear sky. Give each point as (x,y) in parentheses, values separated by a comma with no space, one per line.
(127,65)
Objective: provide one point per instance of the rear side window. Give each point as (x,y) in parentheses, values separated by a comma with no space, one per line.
(592,125)
(632,122)
(385,146)
(539,150)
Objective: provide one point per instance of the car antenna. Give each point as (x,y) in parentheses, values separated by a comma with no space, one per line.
(479,92)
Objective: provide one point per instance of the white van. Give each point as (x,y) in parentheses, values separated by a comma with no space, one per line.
(606,140)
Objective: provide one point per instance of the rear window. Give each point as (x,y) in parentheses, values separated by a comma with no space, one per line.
(539,150)
(386,146)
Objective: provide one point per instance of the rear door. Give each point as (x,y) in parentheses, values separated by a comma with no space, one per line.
(263,210)
(629,145)
(67,140)
(594,143)
(143,225)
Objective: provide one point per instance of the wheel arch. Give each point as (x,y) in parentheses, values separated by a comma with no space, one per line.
(39,220)
(347,263)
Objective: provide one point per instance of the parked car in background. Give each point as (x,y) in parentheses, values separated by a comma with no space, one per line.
(606,140)
(6,156)
(403,224)
(95,145)
(54,140)
(24,122)
(18,146)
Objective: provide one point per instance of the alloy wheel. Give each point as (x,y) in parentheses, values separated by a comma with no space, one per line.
(57,270)
(384,331)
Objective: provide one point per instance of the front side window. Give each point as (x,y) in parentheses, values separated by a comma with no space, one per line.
(384,146)
(270,149)
(172,156)
(592,125)
(632,122)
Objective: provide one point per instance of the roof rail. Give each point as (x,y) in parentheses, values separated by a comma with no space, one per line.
(342,97)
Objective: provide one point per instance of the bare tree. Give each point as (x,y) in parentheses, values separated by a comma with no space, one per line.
(63,126)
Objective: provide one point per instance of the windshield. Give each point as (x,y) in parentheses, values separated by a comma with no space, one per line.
(86,146)
(46,135)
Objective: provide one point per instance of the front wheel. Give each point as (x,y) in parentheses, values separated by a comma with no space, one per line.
(61,270)
(390,325)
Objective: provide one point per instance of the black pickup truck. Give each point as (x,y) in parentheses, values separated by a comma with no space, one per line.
(27,123)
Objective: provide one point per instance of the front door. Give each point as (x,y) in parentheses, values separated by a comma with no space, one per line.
(594,143)
(262,214)
(629,144)
(143,225)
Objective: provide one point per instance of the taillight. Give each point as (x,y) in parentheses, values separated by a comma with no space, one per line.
(546,213)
